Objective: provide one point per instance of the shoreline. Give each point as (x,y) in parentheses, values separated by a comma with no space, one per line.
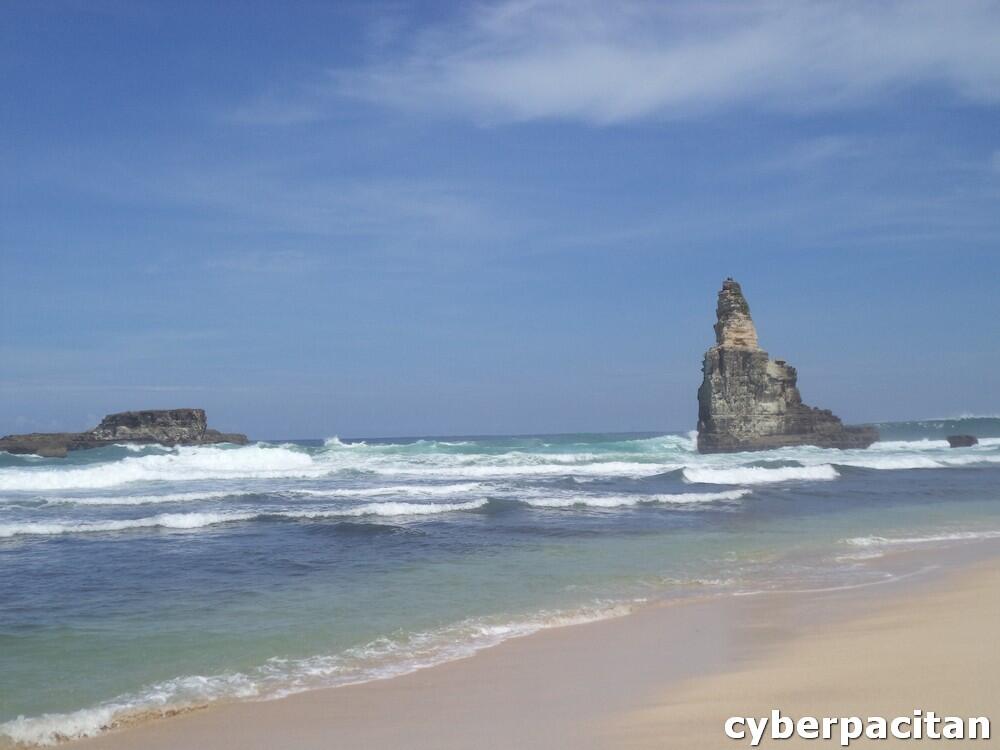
(581,684)
(926,649)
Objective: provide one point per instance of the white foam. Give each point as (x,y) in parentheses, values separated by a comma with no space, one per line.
(181,464)
(173,497)
(550,468)
(970,459)
(163,520)
(380,659)
(411,490)
(618,501)
(939,460)
(336,442)
(141,447)
(894,455)
(923,444)
(892,463)
(759,474)
(434,459)
(870,554)
(51,729)
(260,461)
(176,694)
(199,520)
(420,445)
(385,509)
(958,536)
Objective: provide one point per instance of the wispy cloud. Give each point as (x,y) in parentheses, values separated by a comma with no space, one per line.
(815,152)
(283,195)
(602,62)
(296,103)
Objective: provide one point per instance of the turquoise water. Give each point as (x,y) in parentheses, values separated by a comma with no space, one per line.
(133,580)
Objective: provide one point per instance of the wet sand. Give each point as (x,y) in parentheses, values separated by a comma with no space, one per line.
(665,676)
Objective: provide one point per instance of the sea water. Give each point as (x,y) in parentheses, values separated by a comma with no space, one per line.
(135,580)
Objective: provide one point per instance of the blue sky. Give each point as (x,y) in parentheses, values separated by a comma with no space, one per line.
(395,219)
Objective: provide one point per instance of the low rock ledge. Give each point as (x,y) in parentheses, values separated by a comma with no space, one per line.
(962,441)
(154,426)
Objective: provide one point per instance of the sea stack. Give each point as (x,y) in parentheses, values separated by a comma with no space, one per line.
(157,426)
(749,402)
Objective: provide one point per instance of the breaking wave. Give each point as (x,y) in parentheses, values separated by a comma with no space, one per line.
(957,536)
(185,463)
(410,490)
(171,497)
(474,461)
(618,501)
(759,474)
(578,466)
(380,659)
(915,460)
(384,509)
(200,520)
(400,490)
(163,520)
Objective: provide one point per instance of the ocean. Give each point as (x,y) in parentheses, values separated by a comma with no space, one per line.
(139,580)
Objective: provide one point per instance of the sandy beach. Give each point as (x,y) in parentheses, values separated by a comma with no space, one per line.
(933,650)
(665,676)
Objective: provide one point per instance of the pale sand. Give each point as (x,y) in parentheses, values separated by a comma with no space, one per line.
(663,677)
(936,651)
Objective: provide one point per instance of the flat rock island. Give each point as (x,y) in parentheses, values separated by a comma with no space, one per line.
(157,426)
(748,401)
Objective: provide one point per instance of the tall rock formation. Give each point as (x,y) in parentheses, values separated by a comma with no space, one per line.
(748,401)
(161,426)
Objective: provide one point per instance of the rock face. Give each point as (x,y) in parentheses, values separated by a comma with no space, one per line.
(962,441)
(748,401)
(160,426)
(173,426)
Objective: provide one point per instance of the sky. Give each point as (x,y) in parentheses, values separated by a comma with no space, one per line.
(379,219)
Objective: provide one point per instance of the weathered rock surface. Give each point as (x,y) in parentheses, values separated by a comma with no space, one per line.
(160,426)
(962,441)
(748,401)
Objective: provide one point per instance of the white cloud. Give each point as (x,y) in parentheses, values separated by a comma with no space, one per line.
(603,62)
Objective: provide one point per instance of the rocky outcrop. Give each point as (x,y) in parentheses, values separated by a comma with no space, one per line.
(160,426)
(962,441)
(748,401)
(46,444)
